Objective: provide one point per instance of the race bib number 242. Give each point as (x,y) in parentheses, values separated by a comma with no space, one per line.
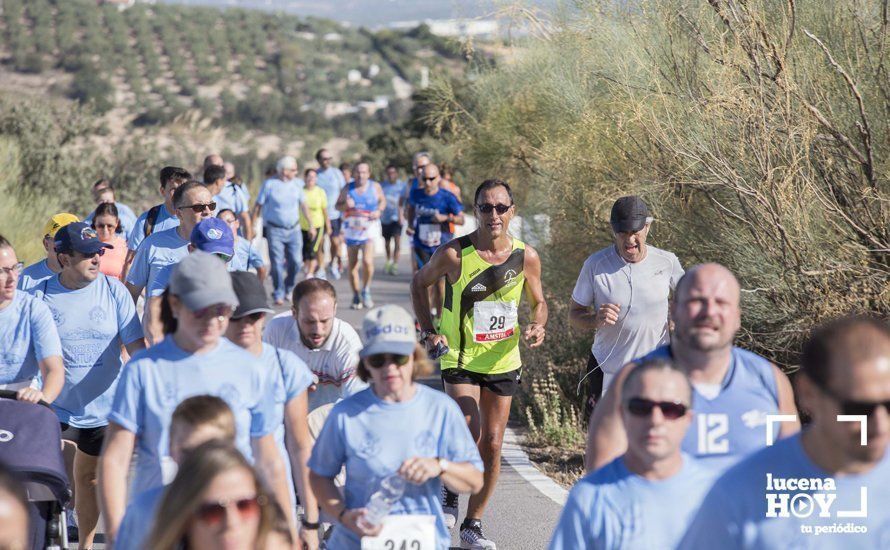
(408,532)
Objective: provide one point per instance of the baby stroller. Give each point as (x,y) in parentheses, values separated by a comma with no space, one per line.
(31,446)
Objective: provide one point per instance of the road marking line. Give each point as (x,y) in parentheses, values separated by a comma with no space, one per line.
(519,461)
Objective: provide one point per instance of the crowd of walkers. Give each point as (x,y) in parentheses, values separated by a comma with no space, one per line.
(191,415)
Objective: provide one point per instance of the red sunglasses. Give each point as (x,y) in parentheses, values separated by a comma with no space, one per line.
(212,513)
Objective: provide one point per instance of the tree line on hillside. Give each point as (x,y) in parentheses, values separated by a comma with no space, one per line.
(174,58)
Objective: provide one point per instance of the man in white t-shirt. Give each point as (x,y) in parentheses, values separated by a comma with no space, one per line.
(622,293)
(328,345)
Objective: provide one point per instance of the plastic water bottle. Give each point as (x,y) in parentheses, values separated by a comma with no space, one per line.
(390,491)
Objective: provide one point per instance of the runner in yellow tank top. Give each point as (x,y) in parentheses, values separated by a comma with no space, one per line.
(486,273)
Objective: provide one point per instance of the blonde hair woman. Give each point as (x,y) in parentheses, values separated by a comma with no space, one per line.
(215,501)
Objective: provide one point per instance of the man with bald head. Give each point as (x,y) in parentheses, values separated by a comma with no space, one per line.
(841,455)
(733,389)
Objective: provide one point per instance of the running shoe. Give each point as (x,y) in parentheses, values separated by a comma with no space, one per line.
(394,270)
(366,298)
(472,538)
(357,301)
(335,273)
(449,507)
(321,275)
(387,266)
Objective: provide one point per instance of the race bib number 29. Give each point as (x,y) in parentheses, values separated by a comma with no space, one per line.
(494,321)
(409,532)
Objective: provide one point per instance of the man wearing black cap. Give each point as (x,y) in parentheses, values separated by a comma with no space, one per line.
(622,293)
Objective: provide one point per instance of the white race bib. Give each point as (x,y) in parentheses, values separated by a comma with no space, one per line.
(430,234)
(404,532)
(494,321)
(356,225)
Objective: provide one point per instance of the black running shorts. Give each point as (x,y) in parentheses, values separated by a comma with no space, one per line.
(88,440)
(504,384)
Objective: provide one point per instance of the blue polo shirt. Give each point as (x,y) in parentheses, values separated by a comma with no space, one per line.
(280,201)
(232,198)
(246,256)
(332,181)
(165,220)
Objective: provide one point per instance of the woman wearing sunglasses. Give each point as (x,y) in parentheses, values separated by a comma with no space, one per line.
(193,358)
(107,224)
(216,501)
(396,426)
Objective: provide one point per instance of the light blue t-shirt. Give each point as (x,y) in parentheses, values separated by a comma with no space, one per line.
(732,424)
(617,509)
(230,198)
(394,192)
(246,256)
(165,220)
(735,512)
(157,379)
(372,438)
(290,377)
(93,323)
(27,335)
(158,252)
(34,274)
(138,520)
(124,213)
(280,201)
(332,181)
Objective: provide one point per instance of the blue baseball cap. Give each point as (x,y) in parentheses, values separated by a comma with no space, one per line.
(78,237)
(212,235)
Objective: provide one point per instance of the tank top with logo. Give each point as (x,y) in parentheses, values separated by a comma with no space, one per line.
(732,424)
(357,220)
(480,312)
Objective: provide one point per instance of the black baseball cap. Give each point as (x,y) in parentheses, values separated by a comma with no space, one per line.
(629,214)
(251,294)
(78,237)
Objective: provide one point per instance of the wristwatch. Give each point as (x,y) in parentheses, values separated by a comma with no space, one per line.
(444,464)
(426,334)
(310,525)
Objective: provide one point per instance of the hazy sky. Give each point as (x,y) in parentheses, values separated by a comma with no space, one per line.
(365,12)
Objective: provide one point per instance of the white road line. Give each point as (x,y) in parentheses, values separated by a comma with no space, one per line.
(519,461)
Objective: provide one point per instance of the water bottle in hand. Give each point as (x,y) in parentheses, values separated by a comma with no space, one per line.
(390,491)
(438,351)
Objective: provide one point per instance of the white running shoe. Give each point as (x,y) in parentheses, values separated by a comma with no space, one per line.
(449,507)
(472,538)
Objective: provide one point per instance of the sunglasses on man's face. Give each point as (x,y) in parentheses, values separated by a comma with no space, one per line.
(856,408)
(326,158)
(641,407)
(198,208)
(434,178)
(213,513)
(250,319)
(381,360)
(487,208)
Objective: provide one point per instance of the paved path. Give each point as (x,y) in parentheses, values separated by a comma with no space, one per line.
(520,515)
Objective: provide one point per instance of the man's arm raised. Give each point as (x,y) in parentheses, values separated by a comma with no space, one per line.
(606,438)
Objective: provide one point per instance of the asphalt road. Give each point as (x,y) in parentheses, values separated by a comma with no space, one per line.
(519,516)
(525,506)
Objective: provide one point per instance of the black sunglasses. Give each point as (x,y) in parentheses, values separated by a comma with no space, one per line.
(198,208)
(434,178)
(643,408)
(487,208)
(857,408)
(252,318)
(380,360)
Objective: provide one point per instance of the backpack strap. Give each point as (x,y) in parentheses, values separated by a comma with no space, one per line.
(151,219)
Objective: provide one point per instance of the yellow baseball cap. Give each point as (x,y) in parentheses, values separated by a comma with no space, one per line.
(57,222)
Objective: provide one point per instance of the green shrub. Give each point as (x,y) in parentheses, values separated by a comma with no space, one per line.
(550,420)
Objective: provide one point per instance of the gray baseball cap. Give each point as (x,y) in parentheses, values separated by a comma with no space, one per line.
(388,329)
(200,280)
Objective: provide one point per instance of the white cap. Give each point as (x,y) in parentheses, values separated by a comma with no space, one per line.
(388,329)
